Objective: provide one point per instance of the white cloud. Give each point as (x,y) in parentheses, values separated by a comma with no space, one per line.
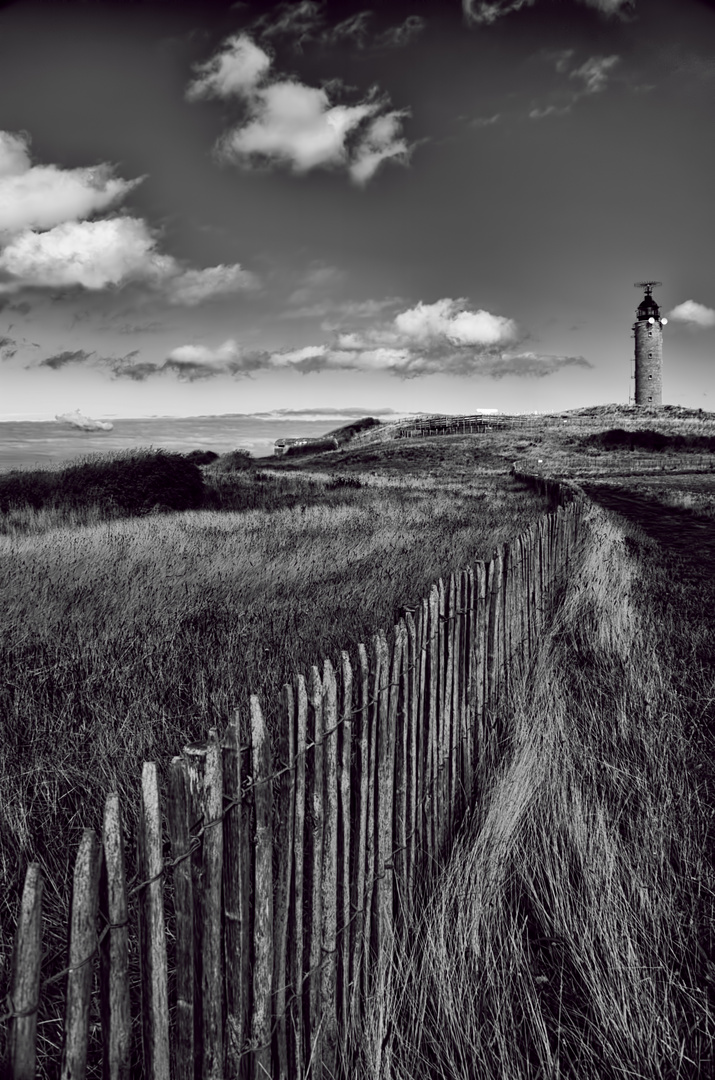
(291,124)
(481,13)
(340,309)
(486,12)
(46,243)
(484,121)
(202,354)
(445,337)
(42,196)
(380,142)
(353,28)
(93,254)
(560,57)
(396,37)
(690,311)
(298,357)
(112,252)
(295,125)
(549,110)
(594,72)
(234,71)
(300,21)
(14,154)
(191,287)
(610,7)
(450,321)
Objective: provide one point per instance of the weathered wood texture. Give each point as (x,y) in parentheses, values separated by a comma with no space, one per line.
(24,992)
(114,950)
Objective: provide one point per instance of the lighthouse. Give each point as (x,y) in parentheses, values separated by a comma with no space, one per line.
(648,332)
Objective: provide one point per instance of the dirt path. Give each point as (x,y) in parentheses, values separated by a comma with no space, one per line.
(687,537)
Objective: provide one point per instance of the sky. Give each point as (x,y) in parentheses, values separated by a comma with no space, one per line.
(435,206)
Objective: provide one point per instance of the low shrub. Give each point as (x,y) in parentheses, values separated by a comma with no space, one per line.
(201,457)
(646,439)
(343,482)
(126,484)
(22,489)
(234,461)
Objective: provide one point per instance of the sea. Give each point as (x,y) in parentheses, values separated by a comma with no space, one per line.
(42,444)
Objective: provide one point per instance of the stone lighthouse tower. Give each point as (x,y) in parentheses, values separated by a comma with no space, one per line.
(648,332)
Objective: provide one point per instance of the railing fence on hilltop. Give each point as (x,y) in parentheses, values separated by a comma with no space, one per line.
(294,866)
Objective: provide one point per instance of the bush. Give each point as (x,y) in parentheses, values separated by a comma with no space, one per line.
(134,484)
(20,489)
(343,482)
(234,461)
(128,484)
(201,457)
(645,439)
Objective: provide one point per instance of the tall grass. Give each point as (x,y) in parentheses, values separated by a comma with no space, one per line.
(569,933)
(124,640)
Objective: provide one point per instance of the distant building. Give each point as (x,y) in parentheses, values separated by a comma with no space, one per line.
(648,333)
(280,446)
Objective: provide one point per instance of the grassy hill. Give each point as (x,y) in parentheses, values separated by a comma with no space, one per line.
(572,932)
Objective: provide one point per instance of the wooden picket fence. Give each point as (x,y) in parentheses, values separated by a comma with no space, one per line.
(289,882)
(528,423)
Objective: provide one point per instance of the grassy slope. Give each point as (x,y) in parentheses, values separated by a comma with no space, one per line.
(583,886)
(572,931)
(123,641)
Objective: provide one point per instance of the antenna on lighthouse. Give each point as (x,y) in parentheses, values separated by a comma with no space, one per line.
(647,285)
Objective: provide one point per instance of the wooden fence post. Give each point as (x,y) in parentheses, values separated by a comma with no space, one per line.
(419,852)
(413,664)
(432,759)
(211,941)
(206,804)
(286,800)
(25,987)
(315,836)
(152,936)
(114,950)
(361,799)
(301,962)
(448,623)
(345,837)
(402,769)
(329,875)
(491,642)
(194,755)
(469,679)
(236,893)
(83,945)
(263,896)
(177,813)
(462,783)
(442,762)
(387,723)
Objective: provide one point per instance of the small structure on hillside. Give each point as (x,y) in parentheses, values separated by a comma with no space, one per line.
(648,333)
(280,446)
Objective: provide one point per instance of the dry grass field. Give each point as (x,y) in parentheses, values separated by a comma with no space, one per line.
(572,932)
(124,639)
